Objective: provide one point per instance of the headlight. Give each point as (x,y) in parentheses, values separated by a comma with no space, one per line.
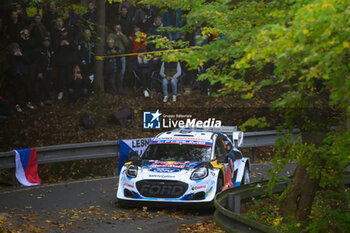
(199,173)
(131,171)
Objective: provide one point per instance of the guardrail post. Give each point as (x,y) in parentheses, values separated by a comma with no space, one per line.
(13,177)
(253,154)
(234,202)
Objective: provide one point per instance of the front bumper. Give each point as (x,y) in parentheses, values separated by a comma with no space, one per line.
(167,189)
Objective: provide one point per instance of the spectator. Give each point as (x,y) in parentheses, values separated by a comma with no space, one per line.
(77,86)
(143,69)
(153,31)
(157,23)
(111,68)
(86,49)
(56,31)
(18,74)
(38,31)
(13,27)
(50,16)
(124,21)
(144,18)
(72,22)
(131,9)
(22,14)
(44,71)
(170,72)
(90,16)
(173,18)
(139,40)
(65,57)
(30,50)
(120,41)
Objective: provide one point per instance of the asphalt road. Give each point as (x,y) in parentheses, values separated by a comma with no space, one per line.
(90,206)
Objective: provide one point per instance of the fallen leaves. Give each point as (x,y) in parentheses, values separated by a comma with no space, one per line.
(206,226)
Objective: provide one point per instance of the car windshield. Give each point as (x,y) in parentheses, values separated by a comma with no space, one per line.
(177,152)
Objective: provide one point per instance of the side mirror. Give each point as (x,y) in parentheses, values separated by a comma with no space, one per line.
(133,156)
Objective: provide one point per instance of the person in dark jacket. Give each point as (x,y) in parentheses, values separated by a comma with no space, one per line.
(50,16)
(143,69)
(18,72)
(56,30)
(86,51)
(30,50)
(77,87)
(90,16)
(38,31)
(153,31)
(144,18)
(112,67)
(65,58)
(170,72)
(45,66)
(13,27)
(125,22)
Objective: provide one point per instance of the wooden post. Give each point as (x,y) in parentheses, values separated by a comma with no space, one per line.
(100,46)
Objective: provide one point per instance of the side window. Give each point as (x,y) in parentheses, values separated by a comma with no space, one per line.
(228,145)
(219,150)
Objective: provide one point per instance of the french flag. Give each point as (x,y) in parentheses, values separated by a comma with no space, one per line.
(27,167)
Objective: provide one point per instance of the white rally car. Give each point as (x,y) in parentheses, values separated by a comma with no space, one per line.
(184,165)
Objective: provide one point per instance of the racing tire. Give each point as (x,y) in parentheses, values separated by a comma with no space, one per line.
(219,185)
(246,176)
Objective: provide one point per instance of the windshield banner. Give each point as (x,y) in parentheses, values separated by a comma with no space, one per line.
(177,141)
(137,145)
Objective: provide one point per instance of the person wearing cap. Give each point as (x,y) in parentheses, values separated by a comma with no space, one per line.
(65,58)
(18,71)
(45,66)
(143,69)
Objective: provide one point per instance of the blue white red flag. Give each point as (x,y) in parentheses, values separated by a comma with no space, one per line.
(27,167)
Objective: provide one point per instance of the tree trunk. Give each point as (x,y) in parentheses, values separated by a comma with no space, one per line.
(299,199)
(100,46)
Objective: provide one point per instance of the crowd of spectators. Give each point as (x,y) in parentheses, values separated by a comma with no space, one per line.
(52,52)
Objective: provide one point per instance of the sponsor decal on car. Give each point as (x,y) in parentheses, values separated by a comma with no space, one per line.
(161,176)
(129,185)
(180,141)
(164,169)
(168,164)
(199,187)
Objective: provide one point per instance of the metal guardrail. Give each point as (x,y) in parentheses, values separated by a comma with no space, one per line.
(228,217)
(67,152)
(109,149)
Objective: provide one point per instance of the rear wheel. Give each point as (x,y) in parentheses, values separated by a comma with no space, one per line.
(246,176)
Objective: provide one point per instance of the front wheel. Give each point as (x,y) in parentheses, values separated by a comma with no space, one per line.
(246,176)
(219,185)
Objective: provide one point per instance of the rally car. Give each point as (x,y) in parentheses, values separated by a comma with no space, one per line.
(184,165)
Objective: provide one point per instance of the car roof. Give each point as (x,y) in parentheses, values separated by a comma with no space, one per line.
(188,134)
